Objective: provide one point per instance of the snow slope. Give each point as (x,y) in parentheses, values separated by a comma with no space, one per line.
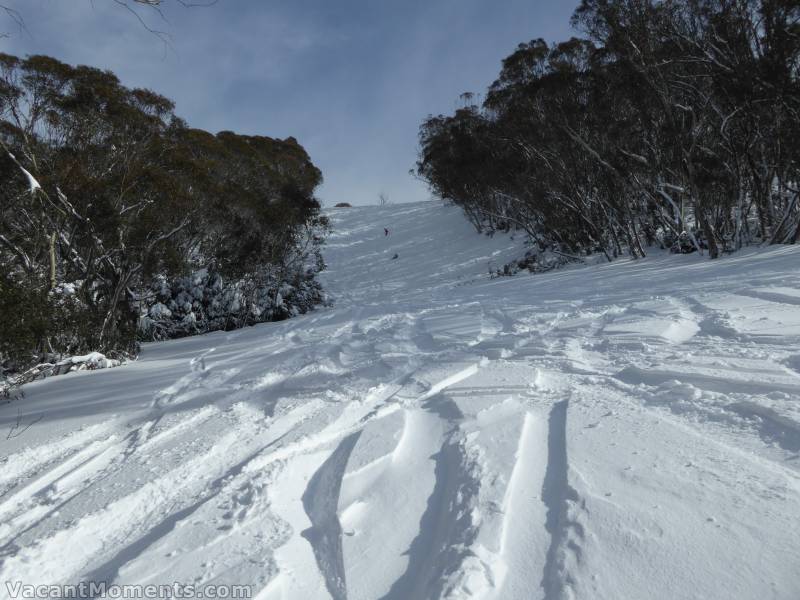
(629,430)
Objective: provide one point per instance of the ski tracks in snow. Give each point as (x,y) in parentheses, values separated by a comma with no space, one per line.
(439,435)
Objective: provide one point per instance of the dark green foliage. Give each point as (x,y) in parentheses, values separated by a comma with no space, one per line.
(25,319)
(125,194)
(674,120)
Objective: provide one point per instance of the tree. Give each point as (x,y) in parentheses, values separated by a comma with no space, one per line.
(105,192)
(673,122)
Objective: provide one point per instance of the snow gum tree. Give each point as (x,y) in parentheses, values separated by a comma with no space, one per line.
(106,191)
(672,123)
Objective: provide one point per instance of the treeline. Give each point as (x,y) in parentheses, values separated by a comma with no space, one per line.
(119,222)
(672,123)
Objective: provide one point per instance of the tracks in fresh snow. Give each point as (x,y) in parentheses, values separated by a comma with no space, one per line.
(596,433)
(525,513)
(321,502)
(441,463)
(563,504)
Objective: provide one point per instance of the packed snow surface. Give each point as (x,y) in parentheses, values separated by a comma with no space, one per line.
(621,431)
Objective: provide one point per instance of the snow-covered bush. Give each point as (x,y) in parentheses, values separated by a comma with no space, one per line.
(206,302)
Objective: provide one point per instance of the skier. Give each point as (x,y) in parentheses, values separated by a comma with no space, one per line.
(385,231)
(395,257)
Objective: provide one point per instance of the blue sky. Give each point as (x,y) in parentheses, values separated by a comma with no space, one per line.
(350,79)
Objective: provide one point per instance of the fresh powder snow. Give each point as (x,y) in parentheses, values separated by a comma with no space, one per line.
(620,431)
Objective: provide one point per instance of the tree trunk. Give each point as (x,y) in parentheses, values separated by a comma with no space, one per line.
(711,236)
(53,261)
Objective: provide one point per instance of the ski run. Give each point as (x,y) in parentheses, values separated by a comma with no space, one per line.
(614,431)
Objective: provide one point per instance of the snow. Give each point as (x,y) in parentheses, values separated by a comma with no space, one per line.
(628,430)
(91,361)
(33,184)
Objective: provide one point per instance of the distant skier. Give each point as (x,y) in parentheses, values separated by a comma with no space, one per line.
(385,232)
(395,257)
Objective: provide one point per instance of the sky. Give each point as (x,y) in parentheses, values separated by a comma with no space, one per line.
(350,79)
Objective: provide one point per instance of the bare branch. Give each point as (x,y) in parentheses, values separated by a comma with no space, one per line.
(156,5)
(18,429)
